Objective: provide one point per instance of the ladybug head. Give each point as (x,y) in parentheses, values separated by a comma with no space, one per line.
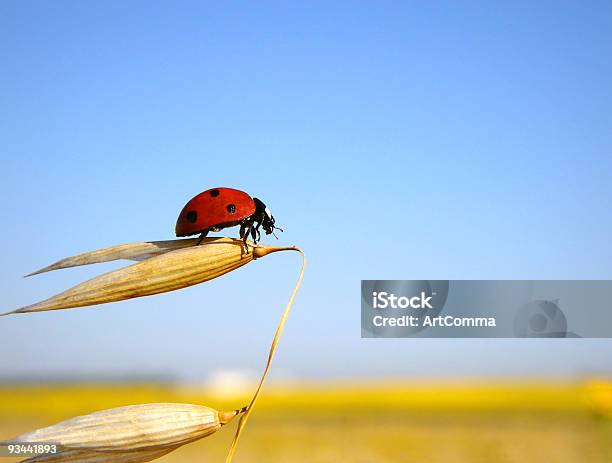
(266,217)
(268,221)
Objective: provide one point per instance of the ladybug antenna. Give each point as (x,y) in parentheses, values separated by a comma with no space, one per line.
(276,228)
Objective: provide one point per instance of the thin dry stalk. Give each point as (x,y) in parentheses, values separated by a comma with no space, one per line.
(279,331)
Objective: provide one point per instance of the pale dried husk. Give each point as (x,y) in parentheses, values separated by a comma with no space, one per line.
(77,456)
(127,251)
(127,434)
(174,267)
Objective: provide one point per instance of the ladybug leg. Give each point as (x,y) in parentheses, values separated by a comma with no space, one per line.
(256,229)
(245,228)
(202,236)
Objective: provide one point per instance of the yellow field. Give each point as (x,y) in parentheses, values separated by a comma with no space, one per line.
(395,422)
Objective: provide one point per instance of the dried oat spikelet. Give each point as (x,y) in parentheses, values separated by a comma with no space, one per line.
(128,251)
(90,456)
(128,434)
(169,270)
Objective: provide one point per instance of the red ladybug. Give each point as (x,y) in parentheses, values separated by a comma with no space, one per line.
(218,208)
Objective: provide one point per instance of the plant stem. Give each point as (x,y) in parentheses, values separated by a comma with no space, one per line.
(277,335)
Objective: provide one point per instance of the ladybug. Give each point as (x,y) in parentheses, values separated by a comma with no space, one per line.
(218,208)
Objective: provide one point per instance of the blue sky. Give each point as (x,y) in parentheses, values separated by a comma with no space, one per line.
(402,140)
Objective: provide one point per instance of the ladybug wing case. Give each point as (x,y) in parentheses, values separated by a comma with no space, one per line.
(214,208)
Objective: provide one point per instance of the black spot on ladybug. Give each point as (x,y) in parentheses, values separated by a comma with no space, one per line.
(214,193)
(192,216)
(231,208)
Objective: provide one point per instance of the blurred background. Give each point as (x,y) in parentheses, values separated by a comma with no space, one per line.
(391,140)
